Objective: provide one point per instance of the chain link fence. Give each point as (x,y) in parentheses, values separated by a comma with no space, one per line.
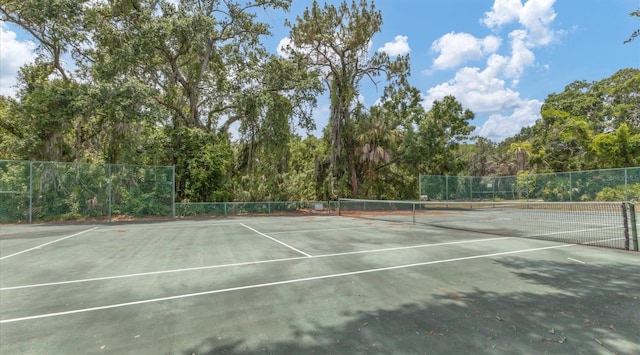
(53,191)
(272,208)
(578,186)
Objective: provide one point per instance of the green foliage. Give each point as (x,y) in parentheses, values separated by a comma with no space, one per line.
(203,164)
(14,191)
(433,148)
(55,25)
(619,193)
(71,191)
(635,33)
(620,148)
(587,126)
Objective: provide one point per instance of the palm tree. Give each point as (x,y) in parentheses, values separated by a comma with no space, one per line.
(375,139)
(522,152)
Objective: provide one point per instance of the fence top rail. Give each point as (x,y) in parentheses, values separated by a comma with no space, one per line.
(82,163)
(534,174)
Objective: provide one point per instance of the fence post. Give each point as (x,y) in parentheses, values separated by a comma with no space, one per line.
(626,187)
(446,183)
(570,188)
(30,192)
(110,193)
(173,191)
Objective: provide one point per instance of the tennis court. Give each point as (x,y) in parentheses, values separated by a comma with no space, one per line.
(316,284)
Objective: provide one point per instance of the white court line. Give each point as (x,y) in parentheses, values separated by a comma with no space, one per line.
(275,240)
(45,244)
(230,221)
(569,231)
(247,287)
(249,263)
(323,230)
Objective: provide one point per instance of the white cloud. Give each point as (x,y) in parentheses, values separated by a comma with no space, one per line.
(521,56)
(458,48)
(13,54)
(479,91)
(500,126)
(490,91)
(502,12)
(399,46)
(484,92)
(535,16)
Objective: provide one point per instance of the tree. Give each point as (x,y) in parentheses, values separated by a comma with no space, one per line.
(635,33)
(207,70)
(481,157)
(571,119)
(11,133)
(382,132)
(377,136)
(56,25)
(45,116)
(200,55)
(522,152)
(433,148)
(334,43)
(617,149)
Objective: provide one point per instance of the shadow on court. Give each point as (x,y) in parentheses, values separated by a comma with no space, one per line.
(588,309)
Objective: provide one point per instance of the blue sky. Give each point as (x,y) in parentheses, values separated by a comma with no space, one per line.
(500,58)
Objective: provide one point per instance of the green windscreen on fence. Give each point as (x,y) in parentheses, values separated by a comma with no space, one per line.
(44,191)
(579,186)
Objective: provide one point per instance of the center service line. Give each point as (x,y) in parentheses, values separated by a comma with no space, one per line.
(275,240)
(285,282)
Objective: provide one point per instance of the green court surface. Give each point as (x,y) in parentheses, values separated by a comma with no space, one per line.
(304,285)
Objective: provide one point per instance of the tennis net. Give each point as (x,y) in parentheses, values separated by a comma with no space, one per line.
(604,224)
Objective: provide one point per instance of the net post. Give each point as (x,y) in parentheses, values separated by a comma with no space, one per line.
(634,228)
(339,206)
(414,213)
(625,222)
